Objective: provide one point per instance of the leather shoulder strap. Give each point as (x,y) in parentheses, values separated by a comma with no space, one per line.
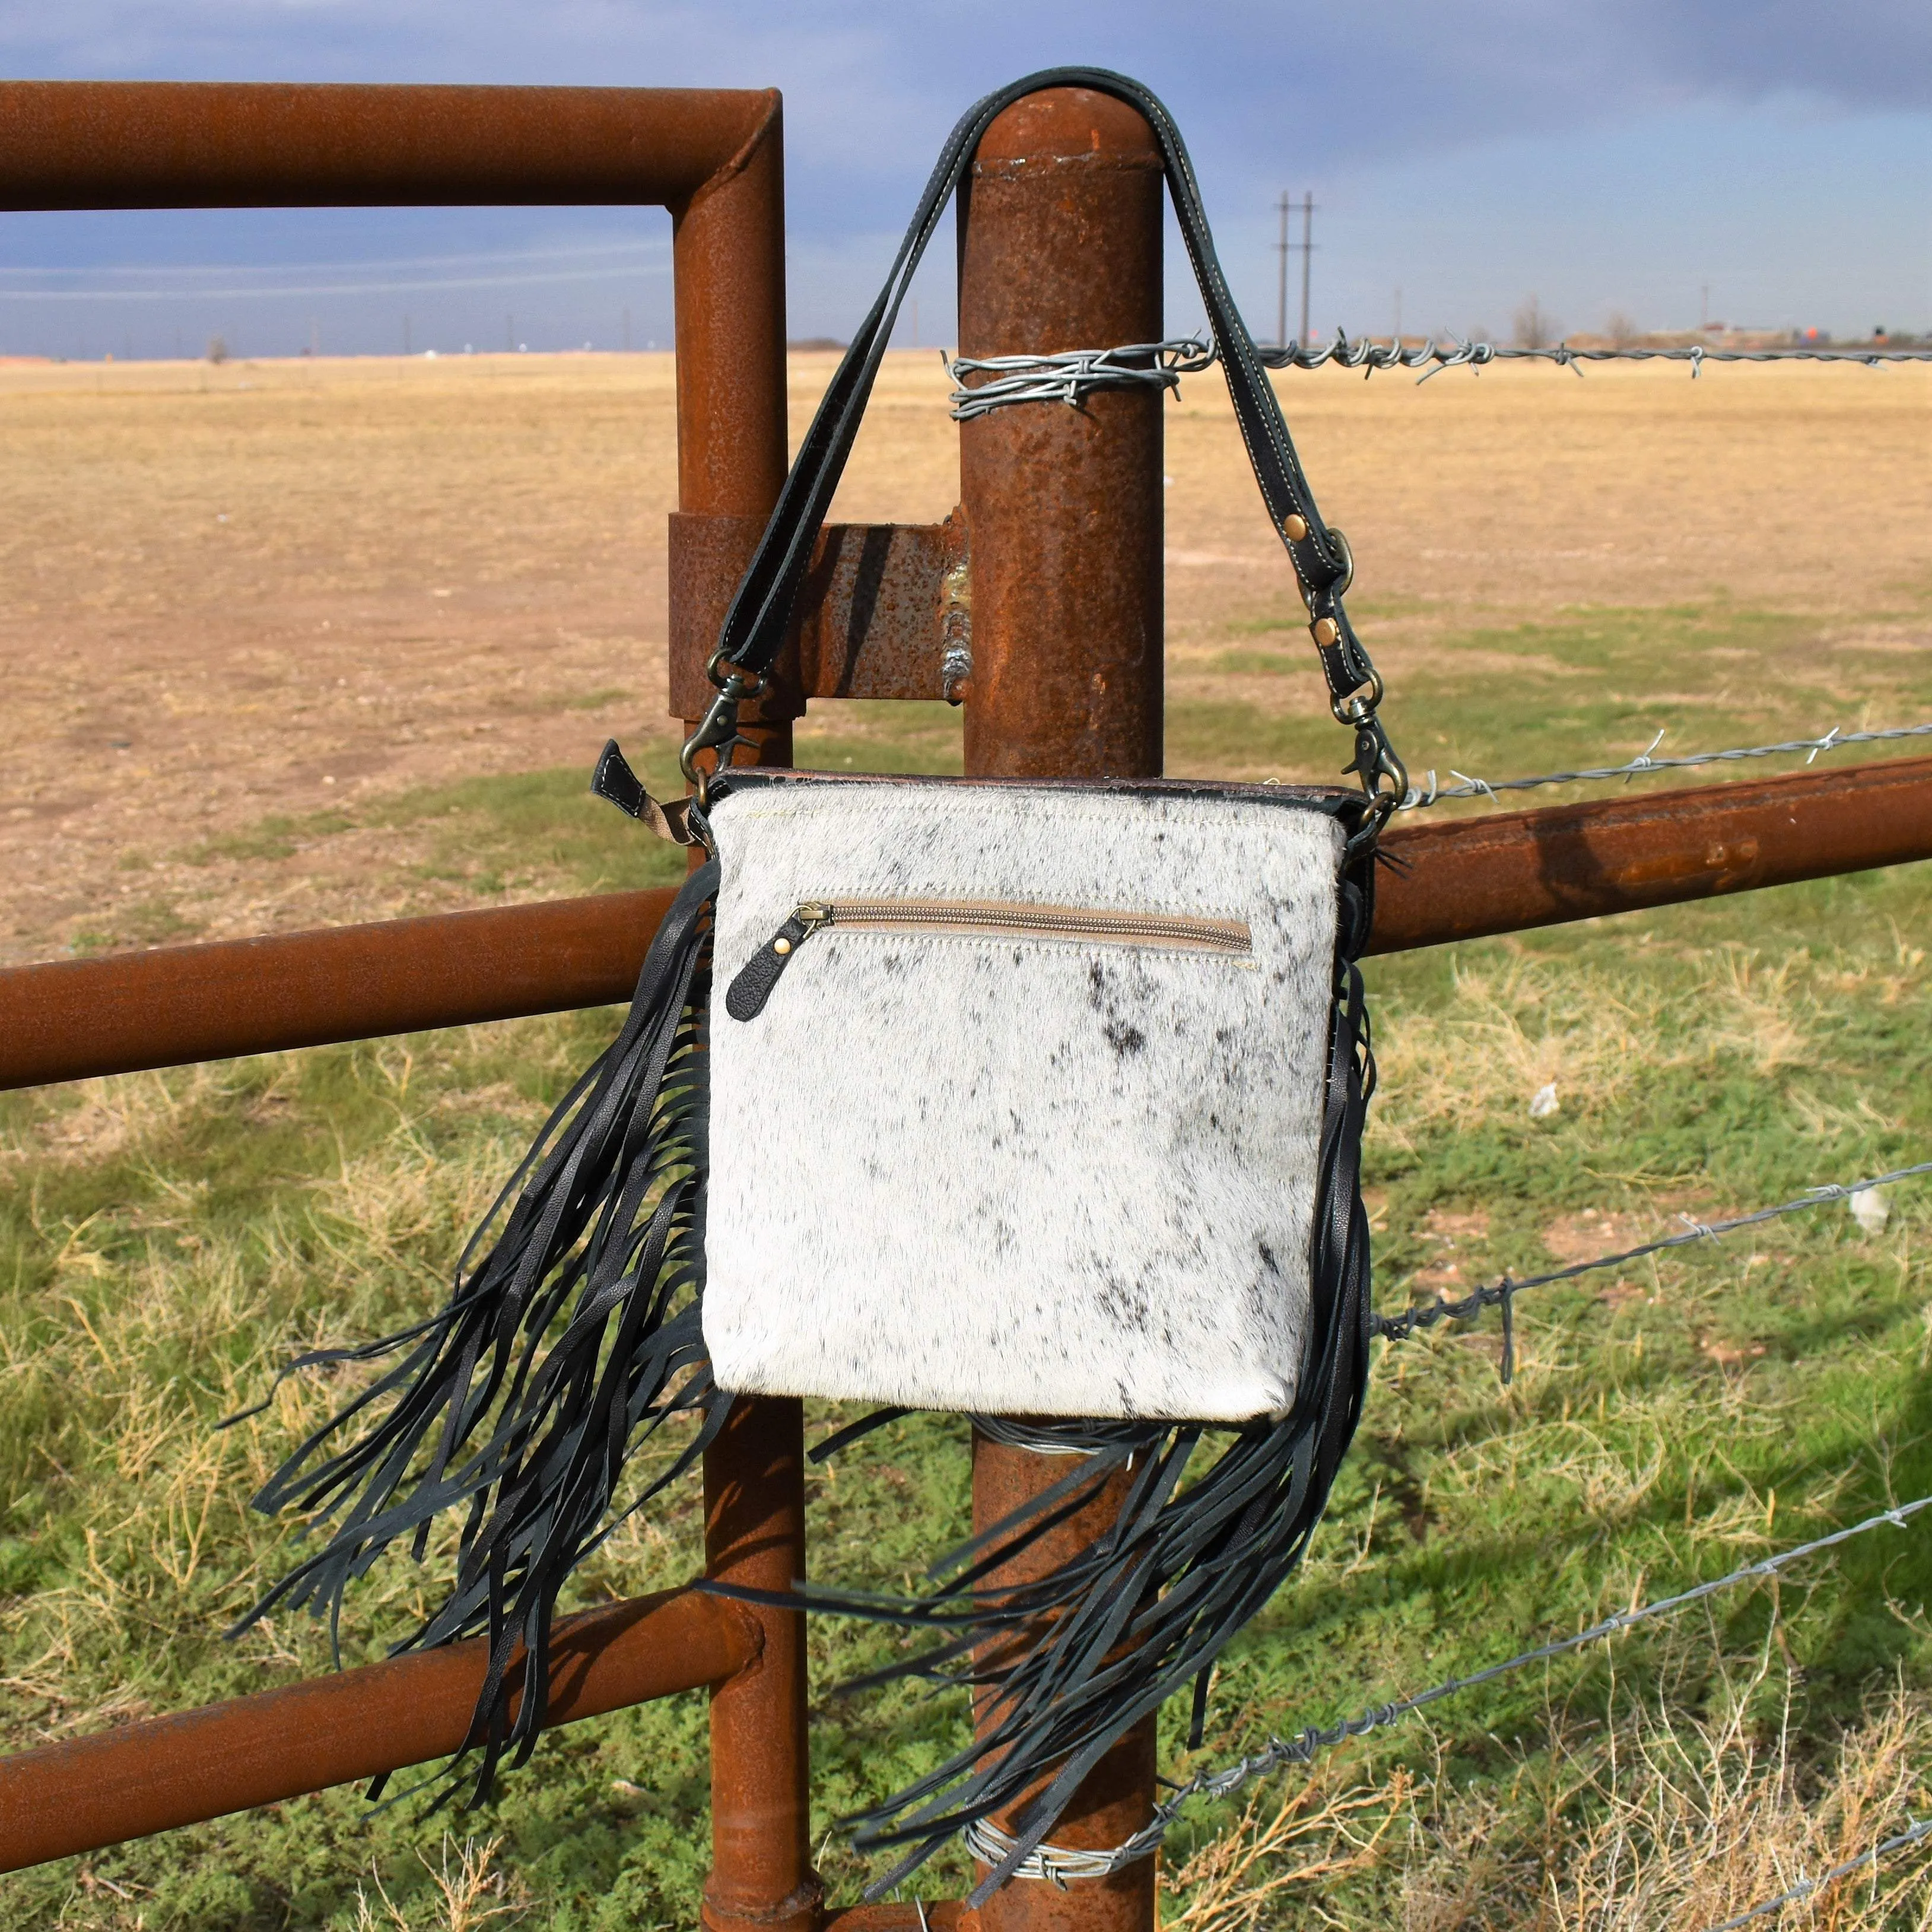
(754,627)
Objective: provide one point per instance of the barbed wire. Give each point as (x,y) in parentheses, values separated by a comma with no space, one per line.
(1502,1294)
(1809,1888)
(1433,356)
(1421,797)
(1069,376)
(1057,1864)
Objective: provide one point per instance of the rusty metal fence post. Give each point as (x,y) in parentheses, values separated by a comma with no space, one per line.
(1059,248)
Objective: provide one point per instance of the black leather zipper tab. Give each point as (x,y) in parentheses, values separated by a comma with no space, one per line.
(745,997)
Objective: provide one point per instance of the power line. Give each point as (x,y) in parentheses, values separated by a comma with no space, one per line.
(648,244)
(272,290)
(1307,250)
(1284,247)
(1281,278)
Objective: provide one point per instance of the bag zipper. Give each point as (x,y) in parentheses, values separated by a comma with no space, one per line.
(1182,932)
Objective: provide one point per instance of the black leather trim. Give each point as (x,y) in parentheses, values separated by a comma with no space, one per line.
(614,779)
(752,985)
(1340,801)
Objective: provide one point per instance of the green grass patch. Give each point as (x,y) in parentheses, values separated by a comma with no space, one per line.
(1591,687)
(167,1240)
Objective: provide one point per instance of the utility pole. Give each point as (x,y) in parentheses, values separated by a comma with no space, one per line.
(1281,278)
(1284,247)
(1307,249)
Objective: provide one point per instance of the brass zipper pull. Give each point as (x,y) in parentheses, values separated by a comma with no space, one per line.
(745,998)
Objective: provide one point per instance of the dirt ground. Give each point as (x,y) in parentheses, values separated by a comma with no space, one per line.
(266,588)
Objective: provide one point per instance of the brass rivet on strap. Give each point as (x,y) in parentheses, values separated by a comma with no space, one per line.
(1294,528)
(1326,631)
(781,946)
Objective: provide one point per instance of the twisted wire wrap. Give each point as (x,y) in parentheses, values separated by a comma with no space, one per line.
(1073,374)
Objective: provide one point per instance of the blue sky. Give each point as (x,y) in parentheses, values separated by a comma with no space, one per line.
(1601,154)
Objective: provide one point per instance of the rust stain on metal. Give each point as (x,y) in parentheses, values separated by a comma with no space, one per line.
(873,613)
(76,1018)
(193,144)
(1465,878)
(945,1914)
(729,257)
(715,160)
(761,1874)
(1060,248)
(163,1772)
(1116,1799)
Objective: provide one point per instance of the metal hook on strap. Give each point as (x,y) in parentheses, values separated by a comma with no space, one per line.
(718,729)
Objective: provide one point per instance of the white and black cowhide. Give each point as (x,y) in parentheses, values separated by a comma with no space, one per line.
(1018,1175)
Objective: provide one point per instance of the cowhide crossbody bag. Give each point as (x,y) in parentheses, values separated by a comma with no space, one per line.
(1022,1098)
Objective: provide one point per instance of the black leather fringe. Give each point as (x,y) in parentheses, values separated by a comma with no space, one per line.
(577,1332)
(572,1338)
(1087,1651)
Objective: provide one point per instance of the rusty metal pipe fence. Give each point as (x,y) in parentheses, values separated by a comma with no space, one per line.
(1058,538)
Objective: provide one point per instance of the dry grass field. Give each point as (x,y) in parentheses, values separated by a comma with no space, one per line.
(295,644)
(287,590)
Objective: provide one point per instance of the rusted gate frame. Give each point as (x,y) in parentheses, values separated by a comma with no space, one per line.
(1076,560)
(715,160)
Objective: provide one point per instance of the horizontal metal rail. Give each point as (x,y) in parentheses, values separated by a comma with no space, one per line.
(163,1772)
(177,1004)
(68,144)
(1507,872)
(1462,879)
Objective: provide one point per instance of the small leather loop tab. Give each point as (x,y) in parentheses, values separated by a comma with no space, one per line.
(614,779)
